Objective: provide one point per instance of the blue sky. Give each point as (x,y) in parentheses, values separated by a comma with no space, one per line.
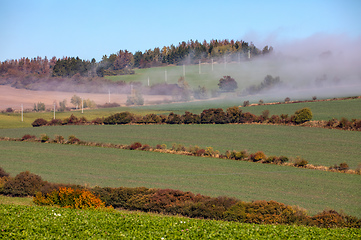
(90,29)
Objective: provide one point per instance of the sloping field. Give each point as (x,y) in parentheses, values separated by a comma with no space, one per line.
(310,189)
(319,146)
(324,110)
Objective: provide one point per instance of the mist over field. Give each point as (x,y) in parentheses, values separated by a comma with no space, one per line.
(322,65)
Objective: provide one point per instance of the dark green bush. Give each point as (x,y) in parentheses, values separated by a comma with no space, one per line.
(55,122)
(173,118)
(302,115)
(233,114)
(189,118)
(151,118)
(71,120)
(39,122)
(119,118)
(213,115)
(24,184)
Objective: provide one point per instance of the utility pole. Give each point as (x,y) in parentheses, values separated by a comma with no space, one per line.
(82,106)
(54,110)
(22,113)
(200,67)
(212,64)
(165,75)
(109,95)
(225,62)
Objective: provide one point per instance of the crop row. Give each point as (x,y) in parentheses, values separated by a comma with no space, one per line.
(34,222)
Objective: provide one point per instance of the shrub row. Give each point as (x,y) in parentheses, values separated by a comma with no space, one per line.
(168,201)
(243,155)
(208,116)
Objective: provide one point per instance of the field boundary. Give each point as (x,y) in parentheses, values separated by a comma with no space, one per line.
(258,157)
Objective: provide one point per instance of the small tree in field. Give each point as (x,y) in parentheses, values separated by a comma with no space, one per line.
(227,84)
(76,101)
(302,115)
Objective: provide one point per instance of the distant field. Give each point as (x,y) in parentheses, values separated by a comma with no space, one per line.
(326,110)
(349,109)
(310,189)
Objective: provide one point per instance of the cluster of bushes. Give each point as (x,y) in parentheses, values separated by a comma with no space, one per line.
(208,116)
(167,201)
(344,124)
(70,198)
(67,121)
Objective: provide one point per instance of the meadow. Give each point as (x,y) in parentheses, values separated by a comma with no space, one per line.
(318,146)
(31,222)
(93,166)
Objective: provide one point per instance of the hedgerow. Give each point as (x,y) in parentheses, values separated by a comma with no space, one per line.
(173,202)
(243,155)
(233,115)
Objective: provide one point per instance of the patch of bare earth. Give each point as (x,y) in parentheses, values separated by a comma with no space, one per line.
(13,98)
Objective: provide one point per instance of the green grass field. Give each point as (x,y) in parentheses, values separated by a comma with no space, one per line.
(25,222)
(318,146)
(93,166)
(349,109)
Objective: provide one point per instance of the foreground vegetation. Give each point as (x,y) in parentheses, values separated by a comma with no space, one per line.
(33,222)
(167,201)
(94,166)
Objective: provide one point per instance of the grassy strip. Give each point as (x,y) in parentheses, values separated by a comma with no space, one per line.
(313,190)
(258,157)
(319,146)
(45,223)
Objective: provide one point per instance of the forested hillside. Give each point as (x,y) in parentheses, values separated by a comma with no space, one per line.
(22,72)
